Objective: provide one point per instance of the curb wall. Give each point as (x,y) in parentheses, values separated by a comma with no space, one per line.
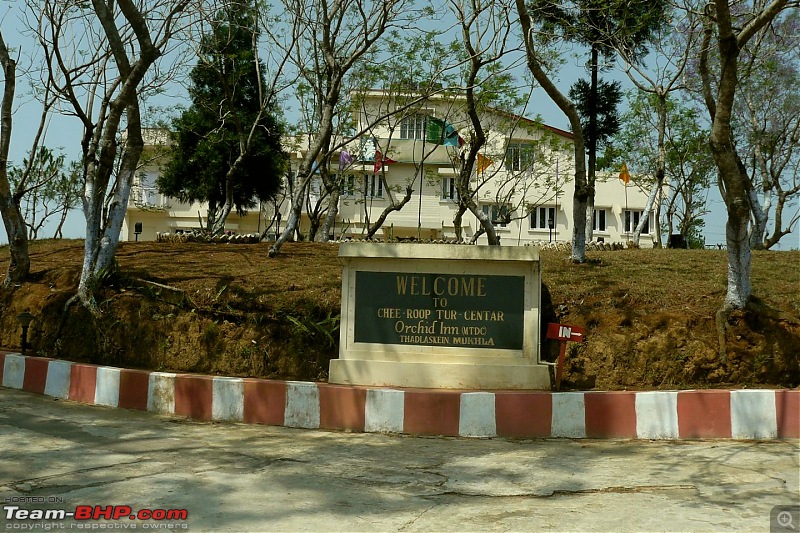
(690,414)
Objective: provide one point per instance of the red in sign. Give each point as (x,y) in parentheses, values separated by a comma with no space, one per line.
(565,332)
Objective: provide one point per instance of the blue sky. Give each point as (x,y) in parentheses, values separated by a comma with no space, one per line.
(64,132)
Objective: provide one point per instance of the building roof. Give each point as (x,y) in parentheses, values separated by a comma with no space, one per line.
(513,116)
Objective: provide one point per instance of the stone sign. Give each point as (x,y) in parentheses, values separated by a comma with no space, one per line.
(441,316)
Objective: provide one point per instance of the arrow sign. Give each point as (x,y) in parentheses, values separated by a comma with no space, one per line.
(566,332)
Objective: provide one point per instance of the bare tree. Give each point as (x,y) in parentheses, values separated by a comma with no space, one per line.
(769,130)
(97,61)
(20,263)
(734,27)
(485,31)
(331,40)
(539,65)
(422,71)
(661,76)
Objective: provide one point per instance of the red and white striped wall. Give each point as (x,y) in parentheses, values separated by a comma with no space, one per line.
(737,414)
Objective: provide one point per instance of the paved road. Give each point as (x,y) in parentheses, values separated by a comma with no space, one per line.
(234,477)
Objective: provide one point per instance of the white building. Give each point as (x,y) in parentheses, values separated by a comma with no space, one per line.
(524,182)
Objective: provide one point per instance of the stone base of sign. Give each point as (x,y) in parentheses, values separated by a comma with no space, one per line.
(439,375)
(440,316)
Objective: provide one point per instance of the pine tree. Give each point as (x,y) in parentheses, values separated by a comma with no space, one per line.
(605,27)
(226,147)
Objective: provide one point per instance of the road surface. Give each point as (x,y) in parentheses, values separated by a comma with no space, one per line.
(63,456)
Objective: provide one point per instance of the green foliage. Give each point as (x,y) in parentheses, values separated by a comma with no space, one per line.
(689,166)
(609,95)
(107,276)
(49,187)
(606,25)
(231,117)
(325,331)
(694,235)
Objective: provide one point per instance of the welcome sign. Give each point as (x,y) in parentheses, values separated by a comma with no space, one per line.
(445,316)
(469,311)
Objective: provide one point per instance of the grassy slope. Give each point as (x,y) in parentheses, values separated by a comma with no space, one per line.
(649,314)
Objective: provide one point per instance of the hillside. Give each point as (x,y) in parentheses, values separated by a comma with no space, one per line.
(649,313)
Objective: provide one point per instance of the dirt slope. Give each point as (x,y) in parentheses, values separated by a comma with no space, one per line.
(649,313)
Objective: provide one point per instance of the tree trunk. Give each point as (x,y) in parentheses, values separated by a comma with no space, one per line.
(778,231)
(20,263)
(759,229)
(102,236)
(583,190)
(394,206)
(457,219)
(590,219)
(592,138)
(218,225)
(321,141)
(330,217)
(488,226)
(59,234)
(739,260)
(647,208)
(91,212)
(657,222)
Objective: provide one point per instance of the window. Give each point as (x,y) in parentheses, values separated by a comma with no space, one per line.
(145,192)
(519,157)
(349,185)
(449,190)
(599,220)
(373,186)
(413,127)
(543,218)
(498,214)
(632,219)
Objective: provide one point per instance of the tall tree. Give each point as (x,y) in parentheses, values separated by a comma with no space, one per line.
(733,28)
(541,66)
(484,36)
(597,103)
(768,130)
(603,26)
(604,104)
(329,38)
(226,147)
(98,57)
(422,66)
(377,95)
(20,263)
(660,77)
(665,134)
(50,187)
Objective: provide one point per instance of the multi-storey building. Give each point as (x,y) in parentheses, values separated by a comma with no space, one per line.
(523,181)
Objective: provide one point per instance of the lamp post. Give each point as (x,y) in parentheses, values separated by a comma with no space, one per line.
(25,318)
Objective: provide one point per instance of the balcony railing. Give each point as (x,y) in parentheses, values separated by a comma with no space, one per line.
(147,197)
